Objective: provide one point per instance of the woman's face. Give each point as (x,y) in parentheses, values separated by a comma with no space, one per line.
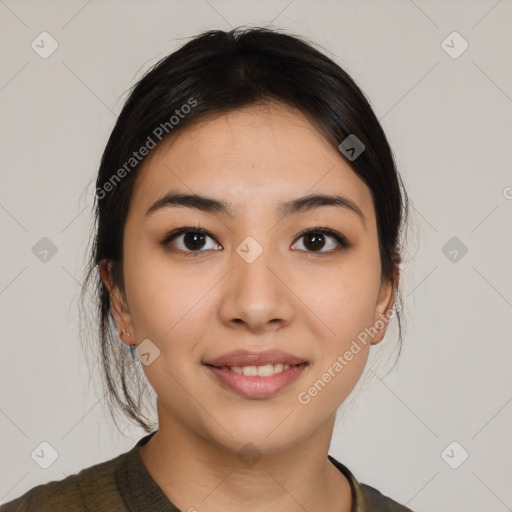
(253,283)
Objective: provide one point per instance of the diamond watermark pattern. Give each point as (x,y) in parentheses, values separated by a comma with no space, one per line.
(454,249)
(44,249)
(454,455)
(454,45)
(249,454)
(44,45)
(249,249)
(148,352)
(351,147)
(44,455)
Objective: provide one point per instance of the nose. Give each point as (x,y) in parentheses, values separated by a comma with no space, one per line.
(256,296)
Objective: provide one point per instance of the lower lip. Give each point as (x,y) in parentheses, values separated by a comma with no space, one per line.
(257,387)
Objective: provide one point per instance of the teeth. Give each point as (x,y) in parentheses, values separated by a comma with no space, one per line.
(265,370)
(250,371)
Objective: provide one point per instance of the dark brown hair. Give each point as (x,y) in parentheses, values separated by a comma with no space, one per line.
(214,73)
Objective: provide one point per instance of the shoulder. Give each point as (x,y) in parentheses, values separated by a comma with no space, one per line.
(366,498)
(93,488)
(373,501)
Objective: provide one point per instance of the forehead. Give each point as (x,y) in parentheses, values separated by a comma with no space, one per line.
(260,154)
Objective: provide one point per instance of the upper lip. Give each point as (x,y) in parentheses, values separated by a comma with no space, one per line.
(247,358)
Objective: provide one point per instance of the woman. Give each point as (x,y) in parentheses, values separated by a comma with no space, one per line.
(247,249)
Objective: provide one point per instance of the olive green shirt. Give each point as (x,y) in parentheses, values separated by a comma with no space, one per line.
(124,484)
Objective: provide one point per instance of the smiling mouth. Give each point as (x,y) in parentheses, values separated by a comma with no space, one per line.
(257,382)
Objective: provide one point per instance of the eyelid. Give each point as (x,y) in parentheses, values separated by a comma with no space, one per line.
(183,230)
(340,239)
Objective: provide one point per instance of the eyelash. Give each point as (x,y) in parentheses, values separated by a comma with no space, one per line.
(342,241)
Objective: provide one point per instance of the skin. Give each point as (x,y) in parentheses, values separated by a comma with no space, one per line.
(195,308)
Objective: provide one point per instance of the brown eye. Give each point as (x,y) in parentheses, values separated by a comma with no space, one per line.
(316,239)
(193,240)
(189,241)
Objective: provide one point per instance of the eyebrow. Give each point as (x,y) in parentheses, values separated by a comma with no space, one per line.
(284,209)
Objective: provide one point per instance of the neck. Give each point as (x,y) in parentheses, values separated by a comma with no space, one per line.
(196,474)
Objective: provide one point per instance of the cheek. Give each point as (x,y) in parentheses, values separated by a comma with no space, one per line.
(167,302)
(343,296)
(343,307)
(349,308)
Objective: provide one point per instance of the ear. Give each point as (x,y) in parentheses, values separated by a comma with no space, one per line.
(384,306)
(118,305)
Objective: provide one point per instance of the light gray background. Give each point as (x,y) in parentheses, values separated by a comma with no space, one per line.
(449,123)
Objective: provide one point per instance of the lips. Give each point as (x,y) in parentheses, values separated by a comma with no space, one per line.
(247,358)
(256,375)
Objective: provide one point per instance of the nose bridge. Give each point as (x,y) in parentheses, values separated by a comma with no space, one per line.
(255,294)
(252,262)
